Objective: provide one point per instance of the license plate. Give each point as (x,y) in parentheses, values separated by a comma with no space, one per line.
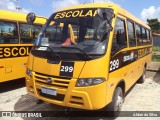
(49,91)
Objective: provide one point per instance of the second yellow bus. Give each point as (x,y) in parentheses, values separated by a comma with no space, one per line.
(16,40)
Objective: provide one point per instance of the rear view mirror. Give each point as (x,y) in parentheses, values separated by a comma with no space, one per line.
(102,14)
(31,17)
(105,14)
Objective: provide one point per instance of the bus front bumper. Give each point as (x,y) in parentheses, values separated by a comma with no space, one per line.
(90,98)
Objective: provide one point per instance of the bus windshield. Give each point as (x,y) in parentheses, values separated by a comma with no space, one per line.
(90,31)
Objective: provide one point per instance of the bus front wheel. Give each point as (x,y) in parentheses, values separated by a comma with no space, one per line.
(116,104)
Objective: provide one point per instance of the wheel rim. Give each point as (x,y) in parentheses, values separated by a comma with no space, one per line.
(119,102)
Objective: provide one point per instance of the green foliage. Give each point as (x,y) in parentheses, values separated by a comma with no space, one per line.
(156,58)
(156,49)
(154,24)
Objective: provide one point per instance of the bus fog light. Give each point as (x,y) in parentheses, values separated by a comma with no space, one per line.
(89,81)
(29,72)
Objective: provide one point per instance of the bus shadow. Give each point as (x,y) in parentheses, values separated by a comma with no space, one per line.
(154,75)
(12,85)
(29,104)
(126,94)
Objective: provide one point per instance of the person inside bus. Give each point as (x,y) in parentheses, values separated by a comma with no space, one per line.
(66,39)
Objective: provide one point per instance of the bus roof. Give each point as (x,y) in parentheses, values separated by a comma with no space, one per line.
(116,7)
(17,16)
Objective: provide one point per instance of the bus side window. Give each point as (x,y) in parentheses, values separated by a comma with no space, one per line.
(8,33)
(131,34)
(148,37)
(144,36)
(29,33)
(119,38)
(139,35)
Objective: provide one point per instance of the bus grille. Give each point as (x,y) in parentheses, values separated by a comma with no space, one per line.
(57,82)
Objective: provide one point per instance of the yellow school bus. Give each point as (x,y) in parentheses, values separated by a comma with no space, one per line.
(95,72)
(16,39)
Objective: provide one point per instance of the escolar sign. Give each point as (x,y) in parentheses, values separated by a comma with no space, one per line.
(76,13)
(14,51)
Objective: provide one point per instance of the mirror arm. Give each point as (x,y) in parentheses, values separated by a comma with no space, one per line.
(42,17)
(109,23)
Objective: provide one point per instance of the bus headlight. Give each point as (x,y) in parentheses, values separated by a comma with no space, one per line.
(29,72)
(82,82)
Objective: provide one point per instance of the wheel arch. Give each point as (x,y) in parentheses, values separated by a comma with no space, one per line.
(122,85)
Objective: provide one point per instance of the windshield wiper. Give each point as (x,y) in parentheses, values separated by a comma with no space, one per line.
(56,54)
(53,55)
(87,57)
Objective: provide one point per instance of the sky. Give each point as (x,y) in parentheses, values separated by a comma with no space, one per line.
(142,9)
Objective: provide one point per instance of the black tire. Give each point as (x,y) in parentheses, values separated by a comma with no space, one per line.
(143,77)
(115,106)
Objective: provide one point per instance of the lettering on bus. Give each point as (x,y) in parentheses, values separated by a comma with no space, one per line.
(143,52)
(76,13)
(114,64)
(14,51)
(129,57)
(67,69)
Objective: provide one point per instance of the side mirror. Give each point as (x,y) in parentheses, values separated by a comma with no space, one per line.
(102,14)
(31,17)
(105,14)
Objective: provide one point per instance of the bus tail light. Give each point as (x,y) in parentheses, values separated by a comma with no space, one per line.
(82,82)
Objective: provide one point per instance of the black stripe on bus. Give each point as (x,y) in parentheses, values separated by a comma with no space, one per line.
(125,58)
